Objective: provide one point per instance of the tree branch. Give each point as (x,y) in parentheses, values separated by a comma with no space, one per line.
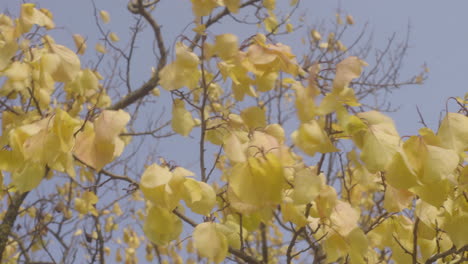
(9,220)
(146,88)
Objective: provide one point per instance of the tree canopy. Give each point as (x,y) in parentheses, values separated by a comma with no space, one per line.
(294,161)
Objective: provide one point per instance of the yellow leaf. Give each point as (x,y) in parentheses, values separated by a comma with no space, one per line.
(326,201)
(100,143)
(379,143)
(381,234)
(86,203)
(254,117)
(210,242)
(259,181)
(350,123)
(100,48)
(268,57)
(203,7)
(311,138)
(358,244)
(232,5)
(438,163)
(199,196)
(427,247)
(262,143)
(200,29)
(434,193)
(293,213)
(234,149)
(18,71)
(105,17)
(336,247)
(8,51)
(226,46)
(182,72)
(80,43)
(266,82)
(113,37)
(31,16)
(161,186)
(117,210)
(269,4)
(85,84)
(182,120)
(397,199)
(457,229)
(276,131)
(28,177)
(315,35)
(271,23)
(400,173)
(216,132)
(344,218)
(347,70)
(307,185)
(69,63)
(350,20)
(231,230)
(305,102)
(161,226)
(453,132)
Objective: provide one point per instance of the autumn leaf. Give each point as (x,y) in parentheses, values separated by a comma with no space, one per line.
(210,242)
(161,225)
(182,120)
(99,143)
(182,72)
(311,138)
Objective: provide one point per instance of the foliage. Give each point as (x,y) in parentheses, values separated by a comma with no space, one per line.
(343,187)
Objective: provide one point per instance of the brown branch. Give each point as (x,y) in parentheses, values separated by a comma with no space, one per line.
(291,245)
(203,117)
(444,254)
(401,246)
(9,219)
(147,87)
(264,243)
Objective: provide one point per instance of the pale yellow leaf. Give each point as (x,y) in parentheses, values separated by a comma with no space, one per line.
(199,196)
(182,120)
(80,43)
(453,132)
(113,37)
(210,242)
(254,117)
(105,17)
(311,138)
(162,226)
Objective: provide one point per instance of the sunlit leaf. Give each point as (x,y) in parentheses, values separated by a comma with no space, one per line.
(210,242)
(161,225)
(182,120)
